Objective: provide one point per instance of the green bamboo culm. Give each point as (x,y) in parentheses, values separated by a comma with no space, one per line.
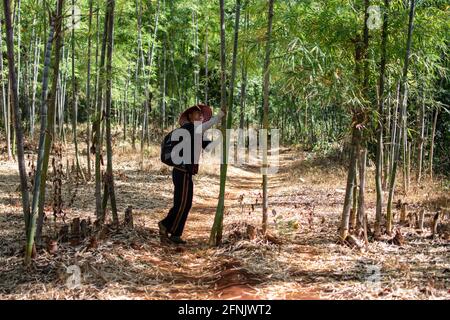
(31,230)
(50,130)
(216,231)
(404,101)
(265,113)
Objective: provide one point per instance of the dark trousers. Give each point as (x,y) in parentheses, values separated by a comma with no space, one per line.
(182,202)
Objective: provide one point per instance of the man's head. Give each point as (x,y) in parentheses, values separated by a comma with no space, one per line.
(195,115)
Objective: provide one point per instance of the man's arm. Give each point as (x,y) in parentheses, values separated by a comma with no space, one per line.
(206,125)
(214,120)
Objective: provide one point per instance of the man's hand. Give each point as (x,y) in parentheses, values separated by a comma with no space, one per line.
(220,114)
(214,120)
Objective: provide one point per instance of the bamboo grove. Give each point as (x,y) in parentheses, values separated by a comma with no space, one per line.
(330,75)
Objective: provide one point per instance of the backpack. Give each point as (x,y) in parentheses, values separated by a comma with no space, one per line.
(166,149)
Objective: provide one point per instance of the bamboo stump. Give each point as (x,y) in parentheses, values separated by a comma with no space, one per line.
(128,220)
(251,232)
(420,220)
(52,246)
(412,219)
(403,212)
(84,229)
(64,233)
(75,232)
(435,224)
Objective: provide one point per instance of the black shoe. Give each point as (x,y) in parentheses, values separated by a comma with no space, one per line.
(163,234)
(162,229)
(177,240)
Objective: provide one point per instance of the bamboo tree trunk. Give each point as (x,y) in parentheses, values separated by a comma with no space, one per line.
(216,231)
(103,122)
(140,61)
(395,155)
(163,91)
(266,79)
(206,65)
(408,172)
(30,79)
(31,232)
(388,135)
(58,111)
(234,60)
(136,84)
(97,125)
(365,51)
(61,94)
(362,187)
(242,139)
(361,52)
(12,121)
(354,199)
(57,20)
(37,55)
(109,168)
(125,107)
(244,79)
(164,85)
(18,18)
(394,130)
(433,134)
(17,112)
(150,54)
(175,74)
(421,139)
(26,94)
(88,95)
(405,149)
(6,113)
(75,97)
(305,123)
(97,77)
(345,219)
(133,132)
(379,153)
(243,95)
(196,58)
(61,107)
(404,99)
(363,152)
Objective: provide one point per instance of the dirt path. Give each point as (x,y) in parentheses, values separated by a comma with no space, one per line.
(305,201)
(242,192)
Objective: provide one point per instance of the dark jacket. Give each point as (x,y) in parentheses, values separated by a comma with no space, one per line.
(192,167)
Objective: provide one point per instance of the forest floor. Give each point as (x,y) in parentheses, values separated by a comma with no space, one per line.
(302,260)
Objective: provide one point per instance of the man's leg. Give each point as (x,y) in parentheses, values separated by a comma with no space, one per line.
(180,221)
(180,180)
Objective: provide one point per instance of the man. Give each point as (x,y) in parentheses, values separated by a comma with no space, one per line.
(196,120)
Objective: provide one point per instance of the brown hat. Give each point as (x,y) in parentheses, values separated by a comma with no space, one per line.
(204,109)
